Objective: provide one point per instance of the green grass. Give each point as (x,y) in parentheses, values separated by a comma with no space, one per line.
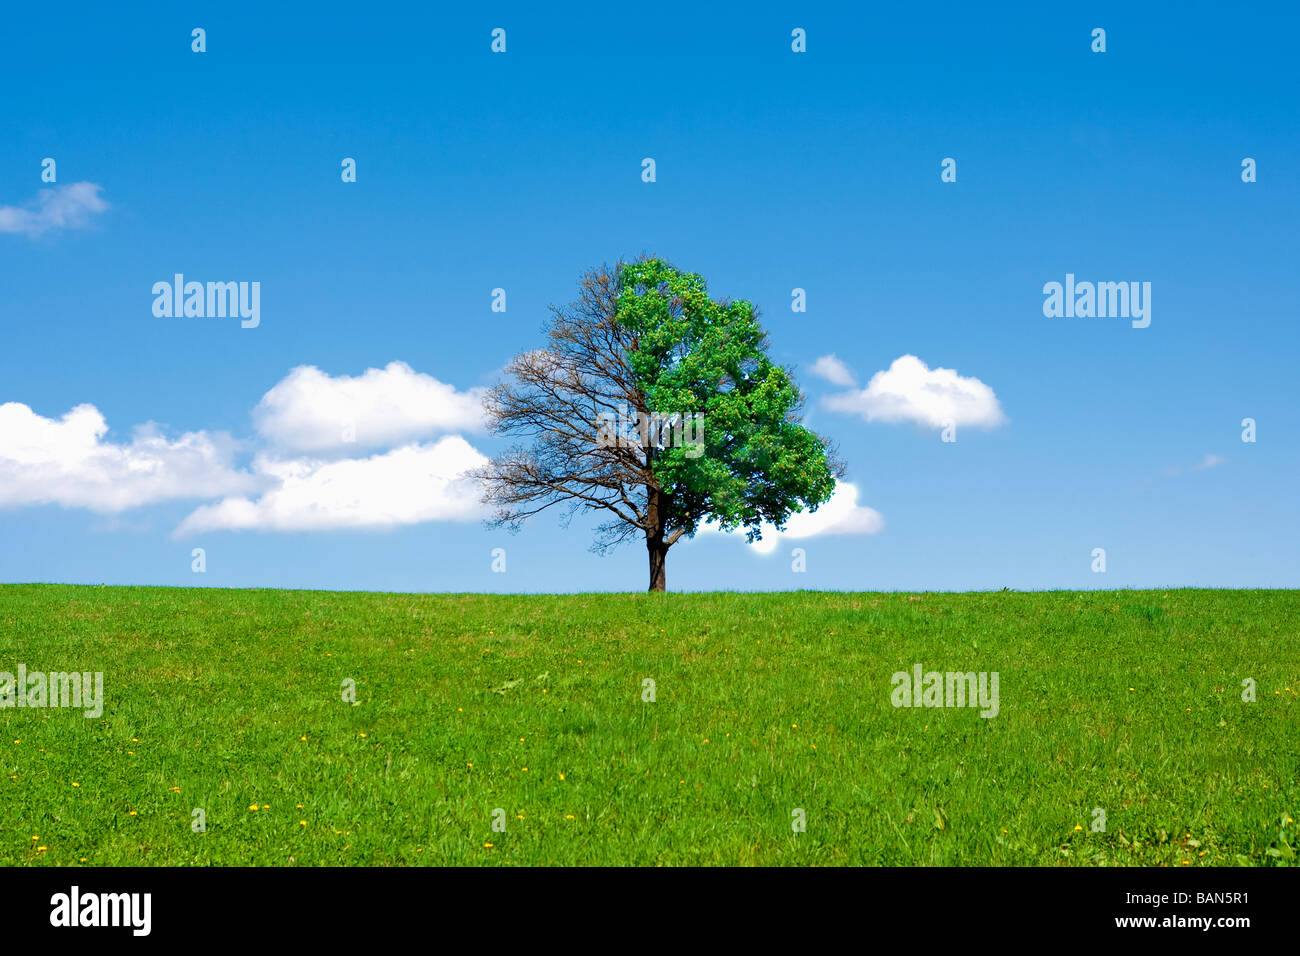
(1130,701)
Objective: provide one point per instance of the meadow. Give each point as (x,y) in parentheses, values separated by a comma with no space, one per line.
(534,713)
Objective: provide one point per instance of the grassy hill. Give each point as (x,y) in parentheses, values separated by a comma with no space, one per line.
(764,704)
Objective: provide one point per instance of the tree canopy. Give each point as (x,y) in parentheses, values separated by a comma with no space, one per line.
(656,405)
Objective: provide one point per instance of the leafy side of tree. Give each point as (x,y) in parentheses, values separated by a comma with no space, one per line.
(646,340)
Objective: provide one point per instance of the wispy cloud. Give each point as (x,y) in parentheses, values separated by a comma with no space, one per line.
(60,207)
(1208,461)
(831,369)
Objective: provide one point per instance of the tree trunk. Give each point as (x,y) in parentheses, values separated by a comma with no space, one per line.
(658,564)
(654,539)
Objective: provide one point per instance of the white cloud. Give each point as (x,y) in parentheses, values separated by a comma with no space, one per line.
(408,485)
(840,515)
(910,391)
(60,207)
(298,483)
(67,462)
(1209,460)
(310,411)
(831,369)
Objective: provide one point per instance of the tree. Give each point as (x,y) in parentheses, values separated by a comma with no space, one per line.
(657,406)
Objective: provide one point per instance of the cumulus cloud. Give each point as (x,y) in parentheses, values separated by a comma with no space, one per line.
(310,411)
(1209,461)
(409,485)
(67,462)
(299,482)
(831,369)
(60,207)
(910,391)
(840,515)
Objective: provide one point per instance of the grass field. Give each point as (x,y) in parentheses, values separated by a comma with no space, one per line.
(1127,701)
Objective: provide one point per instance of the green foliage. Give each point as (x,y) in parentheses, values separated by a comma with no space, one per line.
(764,703)
(696,355)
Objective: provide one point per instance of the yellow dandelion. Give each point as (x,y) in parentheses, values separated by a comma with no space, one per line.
(1077,827)
(176,789)
(568,816)
(469,765)
(252,806)
(489,845)
(41,849)
(362,735)
(133,813)
(299,806)
(75,784)
(521,816)
(561,776)
(266,806)
(302,823)
(525,768)
(303,737)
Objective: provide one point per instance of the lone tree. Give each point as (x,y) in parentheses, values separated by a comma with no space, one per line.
(658,406)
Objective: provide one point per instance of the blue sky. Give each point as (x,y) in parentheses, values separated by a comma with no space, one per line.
(774,170)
